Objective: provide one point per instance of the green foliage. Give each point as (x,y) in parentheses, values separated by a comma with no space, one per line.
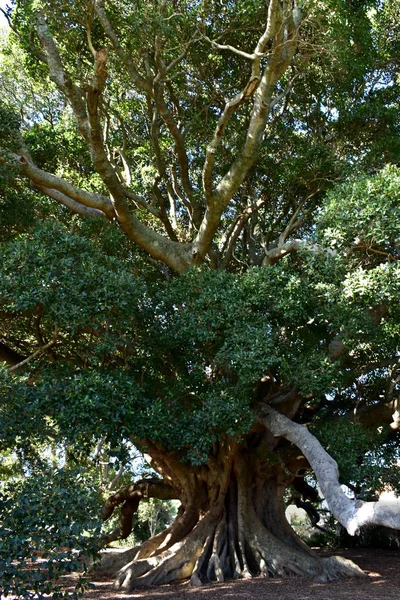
(183,357)
(364,456)
(76,285)
(48,528)
(363,215)
(117,348)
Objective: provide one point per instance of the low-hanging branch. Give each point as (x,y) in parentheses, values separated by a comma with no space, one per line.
(352,514)
(130,496)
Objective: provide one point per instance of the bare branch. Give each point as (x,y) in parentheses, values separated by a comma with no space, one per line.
(116,479)
(230,48)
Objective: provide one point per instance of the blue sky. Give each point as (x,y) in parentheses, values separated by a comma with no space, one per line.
(3,20)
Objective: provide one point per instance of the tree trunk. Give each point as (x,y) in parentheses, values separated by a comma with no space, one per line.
(231,525)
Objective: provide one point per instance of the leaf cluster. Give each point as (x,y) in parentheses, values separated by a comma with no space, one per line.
(48,528)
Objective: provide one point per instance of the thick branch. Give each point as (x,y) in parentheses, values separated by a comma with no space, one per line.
(60,76)
(351,514)
(130,497)
(283,30)
(284,46)
(275,254)
(46,181)
(73,206)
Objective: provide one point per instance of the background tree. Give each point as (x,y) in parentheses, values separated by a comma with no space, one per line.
(240,146)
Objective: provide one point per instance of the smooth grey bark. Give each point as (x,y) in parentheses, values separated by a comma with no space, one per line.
(352,514)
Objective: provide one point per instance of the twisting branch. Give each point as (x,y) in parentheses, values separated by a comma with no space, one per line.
(67,192)
(240,98)
(275,254)
(178,256)
(352,514)
(130,497)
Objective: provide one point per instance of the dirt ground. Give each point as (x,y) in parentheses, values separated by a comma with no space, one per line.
(382,568)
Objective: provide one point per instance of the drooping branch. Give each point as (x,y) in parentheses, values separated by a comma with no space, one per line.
(130,496)
(352,514)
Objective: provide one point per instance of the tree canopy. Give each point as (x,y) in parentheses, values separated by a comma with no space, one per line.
(199,209)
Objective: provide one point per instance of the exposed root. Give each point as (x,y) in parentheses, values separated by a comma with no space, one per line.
(214,569)
(195,579)
(206,555)
(231,527)
(280,560)
(174,564)
(111,561)
(337,567)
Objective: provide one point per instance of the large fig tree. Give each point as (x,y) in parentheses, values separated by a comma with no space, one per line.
(201,257)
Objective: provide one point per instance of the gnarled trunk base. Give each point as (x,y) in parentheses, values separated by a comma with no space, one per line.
(231,525)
